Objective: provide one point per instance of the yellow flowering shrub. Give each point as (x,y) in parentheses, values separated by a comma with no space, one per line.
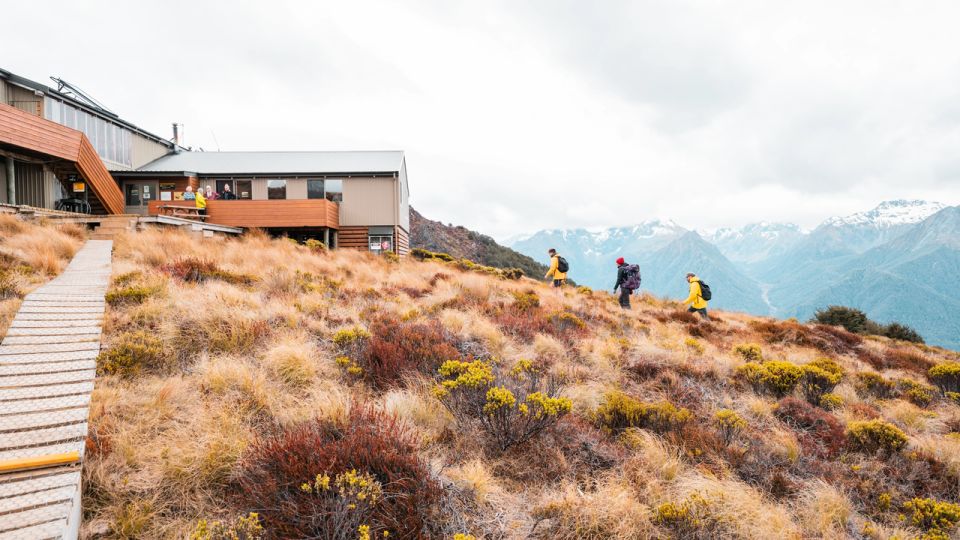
(345,501)
(244,528)
(946,376)
(917,393)
(729,423)
(750,352)
(936,518)
(510,405)
(775,377)
(694,345)
(526,300)
(872,436)
(875,385)
(618,411)
(818,378)
(831,401)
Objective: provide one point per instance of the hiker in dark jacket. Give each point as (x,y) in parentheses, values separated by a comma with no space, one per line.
(622,267)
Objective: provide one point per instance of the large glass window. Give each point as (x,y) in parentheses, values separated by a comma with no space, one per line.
(315,188)
(381,243)
(276,189)
(244,189)
(333,189)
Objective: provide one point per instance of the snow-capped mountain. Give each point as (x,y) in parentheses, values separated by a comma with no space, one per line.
(889,214)
(755,242)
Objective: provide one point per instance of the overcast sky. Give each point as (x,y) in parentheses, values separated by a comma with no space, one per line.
(518,116)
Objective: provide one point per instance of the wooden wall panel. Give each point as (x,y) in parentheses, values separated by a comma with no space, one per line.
(98,178)
(264,214)
(403,242)
(353,238)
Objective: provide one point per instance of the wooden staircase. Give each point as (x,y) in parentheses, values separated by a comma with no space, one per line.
(112,225)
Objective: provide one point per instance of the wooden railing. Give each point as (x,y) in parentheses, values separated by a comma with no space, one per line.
(264,214)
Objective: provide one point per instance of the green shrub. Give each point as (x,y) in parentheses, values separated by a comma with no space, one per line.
(946,376)
(872,436)
(315,245)
(902,332)
(831,401)
(425,255)
(729,423)
(936,518)
(916,392)
(130,354)
(511,406)
(875,385)
(776,377)
(244,528)
(818,378)
(8,286)
(134,294)
(852,319)
(750,352)
(525,300)
(619,411)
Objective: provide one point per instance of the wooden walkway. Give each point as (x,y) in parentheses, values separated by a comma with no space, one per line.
(47,368)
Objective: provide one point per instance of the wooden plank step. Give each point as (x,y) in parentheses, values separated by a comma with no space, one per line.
(46,367)
(22,323)
(38,480)
(42,497)
(36,442)
(44,404)
(47,379)
(88,317)
(50,530)
(35,516)
(48,340)
(68,330)
(43,358)
(14,395)
(9,350)
(11,425)
(64,310)
(42,297)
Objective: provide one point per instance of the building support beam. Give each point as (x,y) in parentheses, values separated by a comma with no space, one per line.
(11,182)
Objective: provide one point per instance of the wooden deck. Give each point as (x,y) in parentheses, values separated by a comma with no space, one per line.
(47,368)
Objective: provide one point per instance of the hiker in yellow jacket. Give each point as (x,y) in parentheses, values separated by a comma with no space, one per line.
(201,203)
(696,301)
(559,278)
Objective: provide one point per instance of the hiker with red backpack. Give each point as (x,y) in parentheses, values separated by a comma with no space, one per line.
(558,268)
(699,295)
(628,280)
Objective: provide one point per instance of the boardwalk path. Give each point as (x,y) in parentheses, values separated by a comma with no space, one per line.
(47,367)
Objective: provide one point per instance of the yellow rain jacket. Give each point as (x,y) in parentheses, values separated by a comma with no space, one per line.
(553,271)
(201,200)
(695,292)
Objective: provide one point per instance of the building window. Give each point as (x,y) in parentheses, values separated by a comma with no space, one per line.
(315,188)
(380,244)
(244,189)
(333,190)
(276,189)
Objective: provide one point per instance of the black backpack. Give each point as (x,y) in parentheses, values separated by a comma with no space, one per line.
(631,278)
(562,265)
(705,291)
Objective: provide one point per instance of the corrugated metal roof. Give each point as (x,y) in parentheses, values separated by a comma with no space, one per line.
(278,162)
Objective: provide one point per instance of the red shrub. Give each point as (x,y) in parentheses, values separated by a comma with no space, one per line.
(522,325)
(819,432)
(901,358)
(275,466)
(398,348)
(829,339)
(196,270)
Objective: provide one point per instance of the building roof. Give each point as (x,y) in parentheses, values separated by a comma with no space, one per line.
(88,107)
(255,163)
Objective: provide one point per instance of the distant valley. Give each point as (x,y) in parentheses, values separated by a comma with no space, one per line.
(897,261)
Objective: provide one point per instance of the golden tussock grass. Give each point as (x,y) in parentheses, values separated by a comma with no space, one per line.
(240,360)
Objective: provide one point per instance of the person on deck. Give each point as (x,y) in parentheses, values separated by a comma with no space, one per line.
(227,195)
(211,195)
(697,303)
(201,203)
(188,194)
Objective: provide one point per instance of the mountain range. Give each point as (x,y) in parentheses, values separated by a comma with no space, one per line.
(896,262)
